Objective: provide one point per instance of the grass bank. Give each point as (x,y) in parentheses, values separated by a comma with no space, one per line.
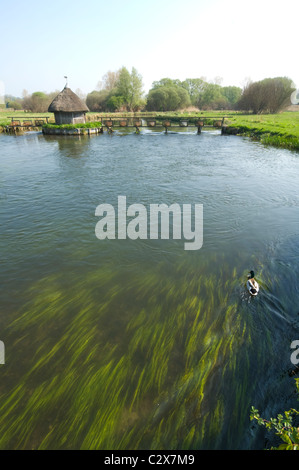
(279,130)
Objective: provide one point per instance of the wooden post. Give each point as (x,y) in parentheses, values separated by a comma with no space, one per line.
(199,126)
(222,125)
(166,124)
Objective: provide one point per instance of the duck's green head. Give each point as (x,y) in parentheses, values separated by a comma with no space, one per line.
(251,274)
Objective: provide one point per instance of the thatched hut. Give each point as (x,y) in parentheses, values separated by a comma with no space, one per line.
(68,108)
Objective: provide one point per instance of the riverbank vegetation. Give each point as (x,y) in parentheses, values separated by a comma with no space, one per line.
(282,425)
(279,130)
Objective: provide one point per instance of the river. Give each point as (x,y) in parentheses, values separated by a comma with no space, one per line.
(140,344)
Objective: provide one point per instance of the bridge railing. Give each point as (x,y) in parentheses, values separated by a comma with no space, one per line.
(155,120)
(32,121)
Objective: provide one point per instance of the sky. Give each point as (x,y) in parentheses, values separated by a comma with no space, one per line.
(235,40)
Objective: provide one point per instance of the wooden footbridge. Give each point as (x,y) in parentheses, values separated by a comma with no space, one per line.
(207,122)
(25,124)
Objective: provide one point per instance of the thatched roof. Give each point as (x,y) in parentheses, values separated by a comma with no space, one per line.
(67,101)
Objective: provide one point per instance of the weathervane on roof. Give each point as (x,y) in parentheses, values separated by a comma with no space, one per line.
(66,81)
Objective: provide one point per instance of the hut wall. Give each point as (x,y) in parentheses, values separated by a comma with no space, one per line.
(79,118)
(69,118)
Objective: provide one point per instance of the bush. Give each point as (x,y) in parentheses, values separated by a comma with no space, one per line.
(87,125)
(282,425)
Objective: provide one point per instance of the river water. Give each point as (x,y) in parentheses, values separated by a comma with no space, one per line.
(140,344)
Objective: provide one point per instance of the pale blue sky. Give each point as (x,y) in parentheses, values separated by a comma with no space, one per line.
(233,39)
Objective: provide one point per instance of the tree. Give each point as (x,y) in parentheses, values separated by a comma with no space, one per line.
(194,87)
(38,102)
(252,98)
(166,82)
(157,99)
(167,98)
(115,103)
(129,86)
(279,92)
(117,90)
(184,98)
(14,104)
(210,97)
(109,80)
(137,99)
(167,95)
(232,94)
(269,95)
(81,94)
(11,101)
(97,100)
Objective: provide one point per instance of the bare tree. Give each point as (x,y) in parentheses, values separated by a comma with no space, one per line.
(81,94)
(109,81)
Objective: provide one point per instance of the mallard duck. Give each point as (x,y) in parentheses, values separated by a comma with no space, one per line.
(252,285)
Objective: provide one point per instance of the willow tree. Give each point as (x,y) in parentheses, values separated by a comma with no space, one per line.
(167,95)
(267,96)
(167,98)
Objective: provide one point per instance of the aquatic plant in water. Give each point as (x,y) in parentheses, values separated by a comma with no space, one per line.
(149,362)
